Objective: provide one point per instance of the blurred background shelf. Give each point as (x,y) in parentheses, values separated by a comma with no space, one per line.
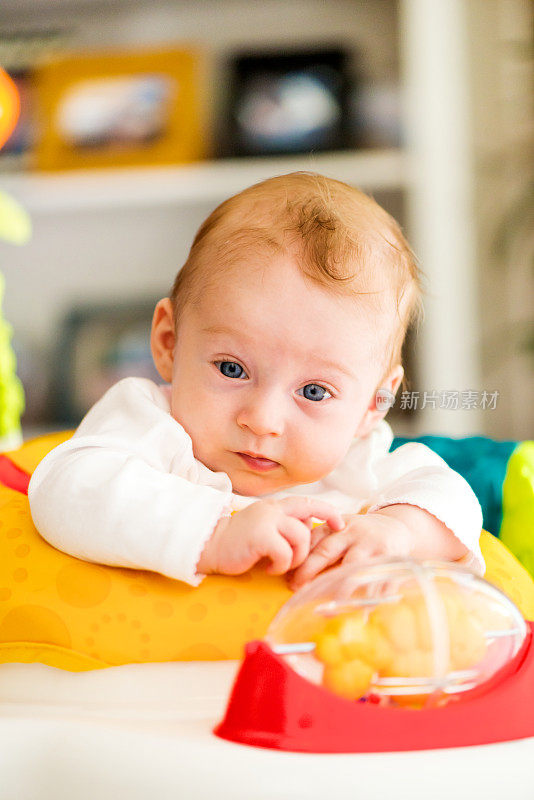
(202,182)
(447,89)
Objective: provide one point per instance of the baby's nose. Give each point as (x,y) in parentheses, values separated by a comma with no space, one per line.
(263,415)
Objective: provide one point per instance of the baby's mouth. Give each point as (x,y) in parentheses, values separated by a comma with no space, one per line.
(258,463)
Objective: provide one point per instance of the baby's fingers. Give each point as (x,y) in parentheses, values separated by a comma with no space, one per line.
(304,508)
(280,554)
(327,551)
(318,532)
(298,535)
(360,554)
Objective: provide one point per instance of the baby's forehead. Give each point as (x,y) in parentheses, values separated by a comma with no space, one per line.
(240,264)
(341,239)
(236,292)
(235,251)
(351,228)
(349,256)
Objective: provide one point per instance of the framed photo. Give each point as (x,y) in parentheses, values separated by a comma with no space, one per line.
(98,346)
(120,109)
(287,103)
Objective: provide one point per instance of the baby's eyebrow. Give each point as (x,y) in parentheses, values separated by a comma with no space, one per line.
(317,361)
(220,329)
(327,364)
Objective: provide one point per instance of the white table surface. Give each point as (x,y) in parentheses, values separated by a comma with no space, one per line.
(145,731)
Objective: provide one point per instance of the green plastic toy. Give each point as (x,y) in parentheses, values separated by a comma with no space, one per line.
(15,228)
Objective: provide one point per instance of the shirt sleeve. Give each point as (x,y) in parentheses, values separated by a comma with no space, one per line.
(416,475)
(126,491)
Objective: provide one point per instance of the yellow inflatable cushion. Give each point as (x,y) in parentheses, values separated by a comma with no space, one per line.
(77,616)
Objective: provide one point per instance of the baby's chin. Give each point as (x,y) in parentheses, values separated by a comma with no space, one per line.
(250,484)
(257,485)
(246,490)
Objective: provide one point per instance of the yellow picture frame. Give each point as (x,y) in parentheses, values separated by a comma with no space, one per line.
(152,98)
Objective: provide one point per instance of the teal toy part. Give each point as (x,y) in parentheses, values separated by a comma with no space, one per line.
(483,463)
(501,475)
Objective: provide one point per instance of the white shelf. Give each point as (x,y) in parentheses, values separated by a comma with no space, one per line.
(209,181)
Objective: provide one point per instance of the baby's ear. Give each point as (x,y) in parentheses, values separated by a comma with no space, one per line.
(163,339)
(381,401)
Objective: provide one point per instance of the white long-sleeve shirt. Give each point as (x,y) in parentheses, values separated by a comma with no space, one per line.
(126,489)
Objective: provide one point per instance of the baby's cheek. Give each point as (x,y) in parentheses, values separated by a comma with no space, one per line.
(317,458)
(196,414)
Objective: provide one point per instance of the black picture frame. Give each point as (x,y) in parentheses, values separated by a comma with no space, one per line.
(287,103)
(98,345)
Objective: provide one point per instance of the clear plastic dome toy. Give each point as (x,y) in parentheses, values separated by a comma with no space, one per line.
(401,634)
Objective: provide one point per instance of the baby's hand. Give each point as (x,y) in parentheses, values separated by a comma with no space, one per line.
(275,529)
(366,536)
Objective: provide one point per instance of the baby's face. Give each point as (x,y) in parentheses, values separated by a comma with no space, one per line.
(272,376)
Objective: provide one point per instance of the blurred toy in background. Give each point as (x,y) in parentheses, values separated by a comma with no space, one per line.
(11,391)
(21,53)
(9,106)
(15,227)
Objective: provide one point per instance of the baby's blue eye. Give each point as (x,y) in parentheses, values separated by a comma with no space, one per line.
(230,369)
(312,391)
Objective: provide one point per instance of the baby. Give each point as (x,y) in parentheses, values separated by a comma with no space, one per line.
(287,317)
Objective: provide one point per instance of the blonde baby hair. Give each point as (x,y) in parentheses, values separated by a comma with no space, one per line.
(347,243)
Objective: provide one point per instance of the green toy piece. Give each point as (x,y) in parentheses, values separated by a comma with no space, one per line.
(11,391)
(15,224)
(517,530)
(15,228)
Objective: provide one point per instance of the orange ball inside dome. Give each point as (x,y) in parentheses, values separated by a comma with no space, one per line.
(412,634)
